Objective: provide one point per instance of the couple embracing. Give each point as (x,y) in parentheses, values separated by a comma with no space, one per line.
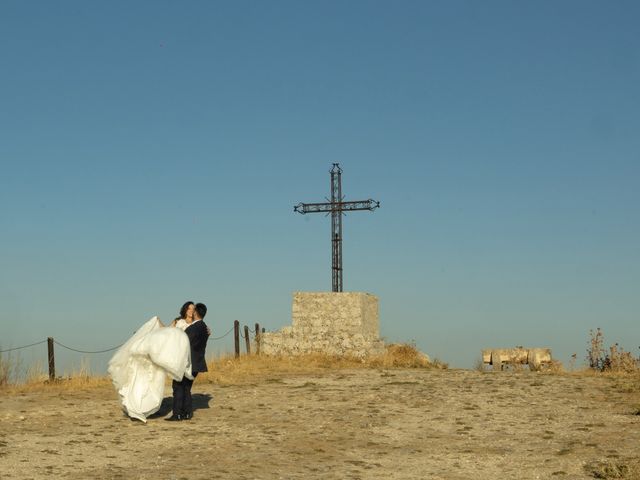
(191,322)
(140,366)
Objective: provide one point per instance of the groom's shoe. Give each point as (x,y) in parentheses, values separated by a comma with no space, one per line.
(174,418)
(187,416)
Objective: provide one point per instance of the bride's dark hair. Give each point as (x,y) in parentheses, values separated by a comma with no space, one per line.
(183,310)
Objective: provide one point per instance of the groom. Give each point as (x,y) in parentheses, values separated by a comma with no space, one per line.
(198,334)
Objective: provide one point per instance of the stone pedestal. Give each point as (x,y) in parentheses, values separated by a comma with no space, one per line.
(334,323)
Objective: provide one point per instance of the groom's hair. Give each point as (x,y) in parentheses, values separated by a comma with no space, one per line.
(201,310)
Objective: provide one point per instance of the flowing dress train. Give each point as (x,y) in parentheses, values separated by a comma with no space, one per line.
(139,368)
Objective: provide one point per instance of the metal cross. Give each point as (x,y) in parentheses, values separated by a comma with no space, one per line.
(336,207)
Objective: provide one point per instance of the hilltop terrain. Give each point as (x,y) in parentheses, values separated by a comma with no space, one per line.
(342,423)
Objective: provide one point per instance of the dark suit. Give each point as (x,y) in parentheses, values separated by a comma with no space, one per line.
(198,336)
(182,402)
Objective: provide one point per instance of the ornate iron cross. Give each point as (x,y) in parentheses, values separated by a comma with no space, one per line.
(336,207)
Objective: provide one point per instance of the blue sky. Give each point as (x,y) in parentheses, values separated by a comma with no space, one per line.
(152,153)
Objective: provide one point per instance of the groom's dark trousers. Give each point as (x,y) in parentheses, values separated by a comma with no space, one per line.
(182,402)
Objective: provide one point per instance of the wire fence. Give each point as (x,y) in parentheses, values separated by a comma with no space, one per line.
(248,336)
(63,346)
(220,338)
(88,351)
(78,350)
(24,346)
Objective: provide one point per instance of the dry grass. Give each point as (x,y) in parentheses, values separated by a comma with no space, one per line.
(479,365)
(36,378)
(554,367)
(253,368)
(10,366)
(621,366)
(404,355)
(250,368)
(622,382)
(4,372)
(230,370)
(614,469)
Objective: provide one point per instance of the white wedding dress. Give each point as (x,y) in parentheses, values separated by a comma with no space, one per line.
(139,368)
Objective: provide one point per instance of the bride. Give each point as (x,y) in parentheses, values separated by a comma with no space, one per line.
(139,368)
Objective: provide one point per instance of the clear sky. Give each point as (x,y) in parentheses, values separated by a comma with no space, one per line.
(152,152)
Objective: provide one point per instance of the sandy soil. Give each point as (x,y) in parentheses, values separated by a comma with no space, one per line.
(398,424)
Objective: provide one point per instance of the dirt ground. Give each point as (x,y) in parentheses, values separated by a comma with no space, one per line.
(357,423)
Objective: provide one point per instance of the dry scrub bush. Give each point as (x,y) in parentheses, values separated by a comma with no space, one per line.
(617,360)
(403,355)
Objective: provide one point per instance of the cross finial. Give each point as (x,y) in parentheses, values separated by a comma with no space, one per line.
(336,207)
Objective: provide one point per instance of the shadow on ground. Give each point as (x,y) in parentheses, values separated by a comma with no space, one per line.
(200,400)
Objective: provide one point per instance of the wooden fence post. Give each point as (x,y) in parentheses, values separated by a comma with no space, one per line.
(236,335)
(52,360)
(247,340)
(257,339)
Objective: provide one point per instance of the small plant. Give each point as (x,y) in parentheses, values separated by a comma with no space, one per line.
(595,350)
(439,364)
(572,362)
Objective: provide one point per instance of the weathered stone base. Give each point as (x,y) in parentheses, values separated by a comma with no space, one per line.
(331,323)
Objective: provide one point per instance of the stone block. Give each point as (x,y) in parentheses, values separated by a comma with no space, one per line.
(335,323)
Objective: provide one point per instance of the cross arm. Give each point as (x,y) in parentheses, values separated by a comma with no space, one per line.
(304,208)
